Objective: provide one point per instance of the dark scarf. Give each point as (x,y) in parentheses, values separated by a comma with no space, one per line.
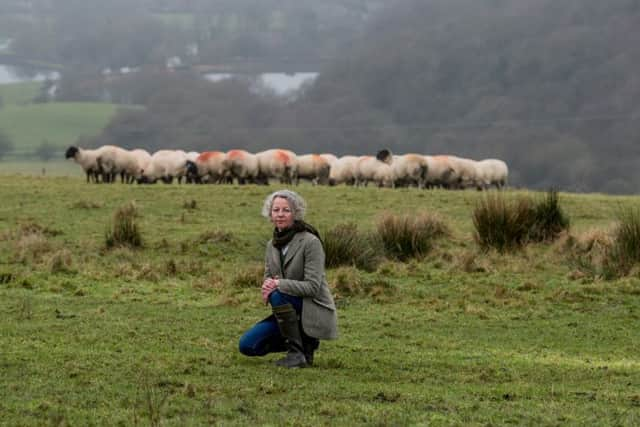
(282,238)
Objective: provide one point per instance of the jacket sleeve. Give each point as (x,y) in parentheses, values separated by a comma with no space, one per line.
(313,272)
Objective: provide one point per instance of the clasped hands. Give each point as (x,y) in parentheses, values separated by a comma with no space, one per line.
(269,285)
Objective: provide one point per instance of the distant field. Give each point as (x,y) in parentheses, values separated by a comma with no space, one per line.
(17,94)
(55,167)
(97,336)
(58,123)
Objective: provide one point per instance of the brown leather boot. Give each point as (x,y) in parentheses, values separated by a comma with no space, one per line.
(290,329)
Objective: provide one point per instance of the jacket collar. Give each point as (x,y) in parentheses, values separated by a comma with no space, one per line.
(294,246)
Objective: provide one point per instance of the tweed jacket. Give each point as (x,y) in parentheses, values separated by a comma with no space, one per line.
(301,273)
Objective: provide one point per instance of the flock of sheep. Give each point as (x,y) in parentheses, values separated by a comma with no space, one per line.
(385,169)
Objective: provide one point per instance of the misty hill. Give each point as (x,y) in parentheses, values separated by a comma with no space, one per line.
(132,33)
(550,86)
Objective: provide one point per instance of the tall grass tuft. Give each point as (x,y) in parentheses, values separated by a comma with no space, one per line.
(505,224)
(345,245)
(624,253)
(31,248)
(549,218)
(502,224)
(409,236)
(124,231)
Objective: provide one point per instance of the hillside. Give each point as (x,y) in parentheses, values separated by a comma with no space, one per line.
(549,86)
(18,93)
(150,335)
(60,124)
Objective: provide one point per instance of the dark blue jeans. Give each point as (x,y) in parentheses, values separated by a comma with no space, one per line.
(265,337)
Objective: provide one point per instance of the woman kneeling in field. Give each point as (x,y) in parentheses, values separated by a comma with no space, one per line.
(294,285)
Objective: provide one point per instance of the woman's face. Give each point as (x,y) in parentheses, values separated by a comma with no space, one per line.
(281,213)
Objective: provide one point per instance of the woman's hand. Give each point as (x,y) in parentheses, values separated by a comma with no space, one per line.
(269,285)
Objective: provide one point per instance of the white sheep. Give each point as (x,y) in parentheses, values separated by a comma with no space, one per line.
(343,171)
(313,167)
(278,163)
(466,171)
(330,158)
(115,161)
(87,159)
(408,169)
(493,172)
(242,165)
(209,166)
(412,168)
(143,158)
(369,168)
(440,173)
(166,165)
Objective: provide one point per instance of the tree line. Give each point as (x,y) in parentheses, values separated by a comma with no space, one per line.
(124,33)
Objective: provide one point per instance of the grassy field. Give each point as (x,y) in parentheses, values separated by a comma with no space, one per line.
(56,167)
(92,336)
(28,125)
(17,94)
(58,123)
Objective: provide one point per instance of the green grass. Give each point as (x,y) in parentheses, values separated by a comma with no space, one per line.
(56,167)
(18,94)
(58,123)
(149,336)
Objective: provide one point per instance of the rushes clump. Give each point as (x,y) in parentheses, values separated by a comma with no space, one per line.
(345,245)
(409,236)
(505,224)
(549,218)
(124,231)
(502,224)
(624,253)
(32,248)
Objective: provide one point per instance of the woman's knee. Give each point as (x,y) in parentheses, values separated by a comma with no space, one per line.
(247,346)
(276,299)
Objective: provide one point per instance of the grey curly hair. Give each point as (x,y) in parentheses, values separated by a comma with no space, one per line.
(296,203)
